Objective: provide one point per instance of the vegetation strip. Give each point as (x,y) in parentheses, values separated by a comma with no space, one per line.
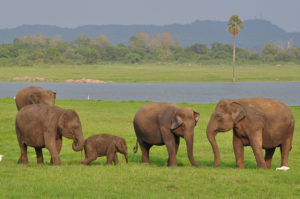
(163,72)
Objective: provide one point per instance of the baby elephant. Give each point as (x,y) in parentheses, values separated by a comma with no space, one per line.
(104,145)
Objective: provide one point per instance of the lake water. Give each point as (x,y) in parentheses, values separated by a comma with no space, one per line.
(199,92)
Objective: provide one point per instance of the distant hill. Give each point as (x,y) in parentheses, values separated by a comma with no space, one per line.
(255,34)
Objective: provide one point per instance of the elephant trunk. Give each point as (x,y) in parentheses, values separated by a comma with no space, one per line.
(189,145)
(211,134)
(78,143)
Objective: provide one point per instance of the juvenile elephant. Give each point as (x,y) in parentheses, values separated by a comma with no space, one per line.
(259,122)
(163,124)
(34,95)
(104,145)
(42,126)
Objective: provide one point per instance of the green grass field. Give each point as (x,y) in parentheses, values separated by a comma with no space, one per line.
(137,180)
(156,72)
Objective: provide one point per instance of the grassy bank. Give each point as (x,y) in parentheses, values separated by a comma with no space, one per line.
(156,72)
(136,180)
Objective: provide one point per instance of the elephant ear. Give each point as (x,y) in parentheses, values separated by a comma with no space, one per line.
(196,117)
(237,112)
(119,145)
(176,121)
(62,120)
(34,98)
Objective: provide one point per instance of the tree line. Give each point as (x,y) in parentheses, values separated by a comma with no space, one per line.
(141,48)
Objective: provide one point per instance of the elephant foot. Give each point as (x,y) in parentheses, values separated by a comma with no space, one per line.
(21,161)
(240,166)
(55,161)
(263,167)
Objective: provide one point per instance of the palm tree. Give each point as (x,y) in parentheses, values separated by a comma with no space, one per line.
(235,25)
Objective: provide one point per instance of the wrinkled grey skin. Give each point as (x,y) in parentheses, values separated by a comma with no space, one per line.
(34,95)
(261,123)
(164,124)
(42,126)
(104,145)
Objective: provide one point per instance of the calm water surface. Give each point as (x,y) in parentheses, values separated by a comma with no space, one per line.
(288,92)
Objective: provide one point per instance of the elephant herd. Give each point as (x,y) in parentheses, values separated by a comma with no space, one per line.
(261,123)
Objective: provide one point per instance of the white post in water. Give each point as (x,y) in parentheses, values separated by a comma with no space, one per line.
(88,97)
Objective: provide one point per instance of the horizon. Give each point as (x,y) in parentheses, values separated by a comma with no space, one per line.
(76,13)
(209,20)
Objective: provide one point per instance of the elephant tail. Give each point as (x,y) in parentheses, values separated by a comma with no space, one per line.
(136,147)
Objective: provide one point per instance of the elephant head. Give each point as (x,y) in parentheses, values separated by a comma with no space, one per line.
(226,115)
(122,147)
(42,97)
(70,127)
(183,124)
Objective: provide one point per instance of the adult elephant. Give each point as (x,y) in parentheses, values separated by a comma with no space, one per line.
(164,124)
(34,95)
(42,126)
(259,122)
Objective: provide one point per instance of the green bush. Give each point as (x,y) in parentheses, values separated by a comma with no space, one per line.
(132,58)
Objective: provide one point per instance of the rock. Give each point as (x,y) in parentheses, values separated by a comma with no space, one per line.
(28,79)
(87,81)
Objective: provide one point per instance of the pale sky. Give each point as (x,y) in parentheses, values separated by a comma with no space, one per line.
(74,13)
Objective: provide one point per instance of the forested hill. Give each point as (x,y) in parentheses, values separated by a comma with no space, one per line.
(255,34)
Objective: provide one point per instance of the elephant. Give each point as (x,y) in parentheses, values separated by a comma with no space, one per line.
(261,123)
(163,124)
(34,95)
(104,145)
(42,126)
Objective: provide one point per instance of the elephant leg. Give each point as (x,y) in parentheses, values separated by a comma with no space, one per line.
(111,152)
(256,144)
(23,148)
(89,159)
(58,147)
(169,140)
(285,150)
(110,158)
(90,154)
(145,147)
(50,144)
(238,152)
(269,156)
(172,153)
(39,155)
(177,141)
(116,160)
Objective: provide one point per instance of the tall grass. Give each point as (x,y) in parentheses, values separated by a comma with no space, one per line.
(137,180)
(156,72)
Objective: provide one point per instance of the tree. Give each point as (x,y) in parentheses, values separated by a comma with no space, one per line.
(199,49)
(141,41)
(269,52)
(235,25)
(81,40)
(100,43)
